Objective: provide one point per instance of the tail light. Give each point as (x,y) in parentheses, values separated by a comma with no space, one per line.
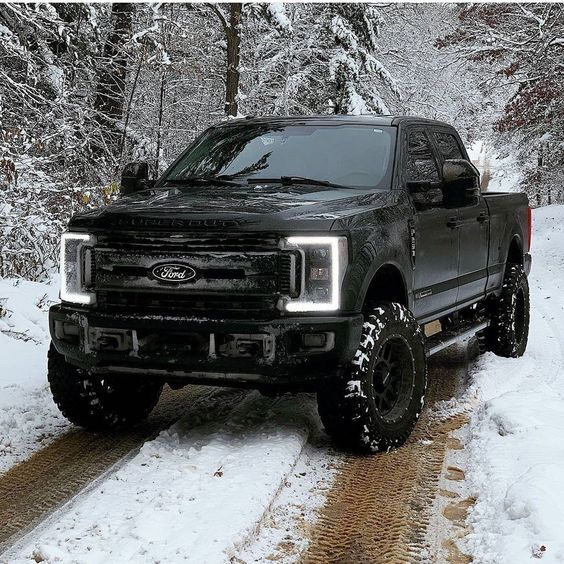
(529,227)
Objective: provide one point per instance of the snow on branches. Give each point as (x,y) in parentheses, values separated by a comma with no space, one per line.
(358,76)
(523,45)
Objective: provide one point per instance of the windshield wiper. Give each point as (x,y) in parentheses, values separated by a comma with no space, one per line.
(290,180)
(223,181)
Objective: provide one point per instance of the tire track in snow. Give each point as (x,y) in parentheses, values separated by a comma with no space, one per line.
(198,491)
(34,489)
(381,506)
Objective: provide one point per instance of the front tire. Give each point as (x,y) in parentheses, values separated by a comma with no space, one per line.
(99,402)
(508,332)
(375,402)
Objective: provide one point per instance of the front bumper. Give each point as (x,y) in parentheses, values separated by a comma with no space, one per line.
(224,352)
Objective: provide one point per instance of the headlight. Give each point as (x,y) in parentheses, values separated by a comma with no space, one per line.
(324,261)
(75,266)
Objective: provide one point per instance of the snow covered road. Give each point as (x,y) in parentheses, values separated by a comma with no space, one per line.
(197,492)
(214,474)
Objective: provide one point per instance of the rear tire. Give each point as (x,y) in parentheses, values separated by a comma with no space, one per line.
(374,403)
(508,332)
(100,402)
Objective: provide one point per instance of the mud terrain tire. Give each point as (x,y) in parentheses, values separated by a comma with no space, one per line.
(99,402)
(375,402)
(508,332)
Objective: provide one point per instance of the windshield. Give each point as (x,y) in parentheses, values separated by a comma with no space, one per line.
(354,156)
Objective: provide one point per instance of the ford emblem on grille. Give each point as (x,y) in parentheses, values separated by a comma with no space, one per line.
(173,272)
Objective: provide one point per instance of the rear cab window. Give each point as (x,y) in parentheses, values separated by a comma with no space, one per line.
(448,145)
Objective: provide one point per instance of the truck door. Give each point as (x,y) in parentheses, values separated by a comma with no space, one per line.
(473,228)
(435,249)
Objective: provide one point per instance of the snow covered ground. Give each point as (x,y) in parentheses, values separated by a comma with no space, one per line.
(198,494)
(210,487)
(28,417)
(515,451)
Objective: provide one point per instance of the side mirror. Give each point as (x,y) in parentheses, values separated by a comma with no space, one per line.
(461,181)
(135,177)
(456,170)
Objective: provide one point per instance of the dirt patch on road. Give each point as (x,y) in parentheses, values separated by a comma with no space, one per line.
(380,506)
(32,490)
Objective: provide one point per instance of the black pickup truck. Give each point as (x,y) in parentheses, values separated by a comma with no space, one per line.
(331,254)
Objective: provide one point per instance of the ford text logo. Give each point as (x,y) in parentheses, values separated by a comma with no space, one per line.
(173,272)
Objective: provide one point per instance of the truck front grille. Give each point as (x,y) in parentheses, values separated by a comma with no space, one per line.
(236,276)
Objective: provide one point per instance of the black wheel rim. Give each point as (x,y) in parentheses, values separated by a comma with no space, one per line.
(519,315)
(393,378)
(100,389)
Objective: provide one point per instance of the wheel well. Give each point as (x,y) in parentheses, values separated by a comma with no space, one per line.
(515,254)
(387,285)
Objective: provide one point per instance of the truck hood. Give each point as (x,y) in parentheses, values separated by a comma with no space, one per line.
(259,207)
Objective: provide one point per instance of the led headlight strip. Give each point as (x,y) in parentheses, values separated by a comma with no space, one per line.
(73,246)
(308,301)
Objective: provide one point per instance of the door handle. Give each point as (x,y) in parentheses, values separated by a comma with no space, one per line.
(483,217)
(453,223)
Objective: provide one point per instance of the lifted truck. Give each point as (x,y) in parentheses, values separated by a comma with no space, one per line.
(331,254)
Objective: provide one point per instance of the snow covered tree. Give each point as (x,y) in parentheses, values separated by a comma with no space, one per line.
(356,74)
(236,19)
(175,86)
(319,58)
(110,89)
(46,57)
(434,83)
(230,18)
(523,44)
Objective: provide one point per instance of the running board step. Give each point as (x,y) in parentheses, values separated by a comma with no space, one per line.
(445,339)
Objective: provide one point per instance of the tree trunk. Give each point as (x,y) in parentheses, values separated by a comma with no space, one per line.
(160,123)
(128,107)
(110,91)
(233,34)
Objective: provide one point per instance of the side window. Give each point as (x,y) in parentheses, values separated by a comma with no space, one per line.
(448,146)
(421,165)
(422,172)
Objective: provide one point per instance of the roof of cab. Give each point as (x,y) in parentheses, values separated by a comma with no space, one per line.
(367,119)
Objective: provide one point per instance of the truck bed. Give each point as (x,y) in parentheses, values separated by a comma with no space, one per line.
(505,209)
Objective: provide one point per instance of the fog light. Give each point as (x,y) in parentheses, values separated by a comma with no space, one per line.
(66,331)
(314,340)
(70,329)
